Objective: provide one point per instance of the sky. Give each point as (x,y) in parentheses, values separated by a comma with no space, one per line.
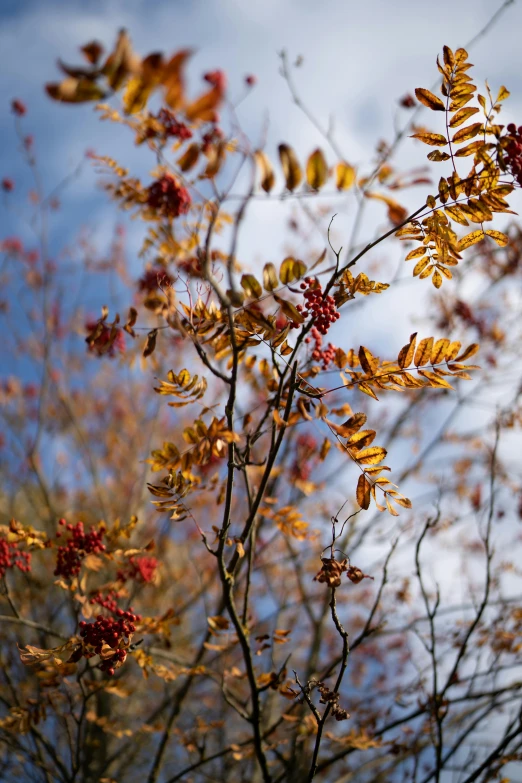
(359,58)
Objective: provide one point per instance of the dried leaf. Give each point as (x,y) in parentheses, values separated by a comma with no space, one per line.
(429,99)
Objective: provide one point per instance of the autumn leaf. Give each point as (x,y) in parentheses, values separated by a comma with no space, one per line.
(316,170)
(429,99)
(291,168)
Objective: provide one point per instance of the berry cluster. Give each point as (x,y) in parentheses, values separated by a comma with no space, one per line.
(212,136)
(153,279)
(168,197)
(109,602)
(306,446)
(112,632)
(513,151)
(172,127)
(322,308)
(216,79)
(141,569)
(11,557)
(70,556)
(104,342)
(320,354)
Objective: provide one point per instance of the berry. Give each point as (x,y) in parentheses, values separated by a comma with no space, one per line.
(7,184)
(79,545)
(18,107)
(11,557)
(168,198)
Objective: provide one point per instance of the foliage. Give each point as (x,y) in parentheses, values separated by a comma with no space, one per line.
(201,568)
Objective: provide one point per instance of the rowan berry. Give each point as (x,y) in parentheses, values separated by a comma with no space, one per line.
(168,198)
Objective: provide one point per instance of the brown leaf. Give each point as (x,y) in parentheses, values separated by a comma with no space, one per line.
(429,99)
(291,168)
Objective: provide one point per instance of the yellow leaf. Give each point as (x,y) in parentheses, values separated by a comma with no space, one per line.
(421,265)
(467,133)
(462,115)
(316,170)
(471,149)
(419,251)
(429,99)
(218,623)
(470,351)
(266,170)
(405,357)
(439,351)
(291,167)
(251,286)
(503,93)
(437,278)
(189,158)
(270,280)
(500,238)
(344,176)
(432,139)
(368,362)
(438,156)
(471,239)
(371,456)
(73,90)
(423,352)
(350,426)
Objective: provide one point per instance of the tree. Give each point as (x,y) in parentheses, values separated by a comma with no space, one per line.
(253,617)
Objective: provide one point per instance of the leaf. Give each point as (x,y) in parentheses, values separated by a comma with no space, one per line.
(150,345)
(266,170)
(173,79)
(469,132)
(316,169)
(74,90)
(503,93)
(500,238)
(291,168)
(471,239)
(432,139)
(429,99)
(203,109)
(435,380)
(270,280)
(423,352)
(141,86)
(361,439)
(251,286)
(344,176)
(405,357)
(437,278)
(438,156)
(218,623)
(189,158)
(439,351)
(462,115)
(351,425)
(416,253)
(290,270)
(421,265)
(470,351)
(453,351)
(371,456)
(363,492)
(471,149)
(368,362)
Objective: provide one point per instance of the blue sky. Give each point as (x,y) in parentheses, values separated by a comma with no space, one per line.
(359,58)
